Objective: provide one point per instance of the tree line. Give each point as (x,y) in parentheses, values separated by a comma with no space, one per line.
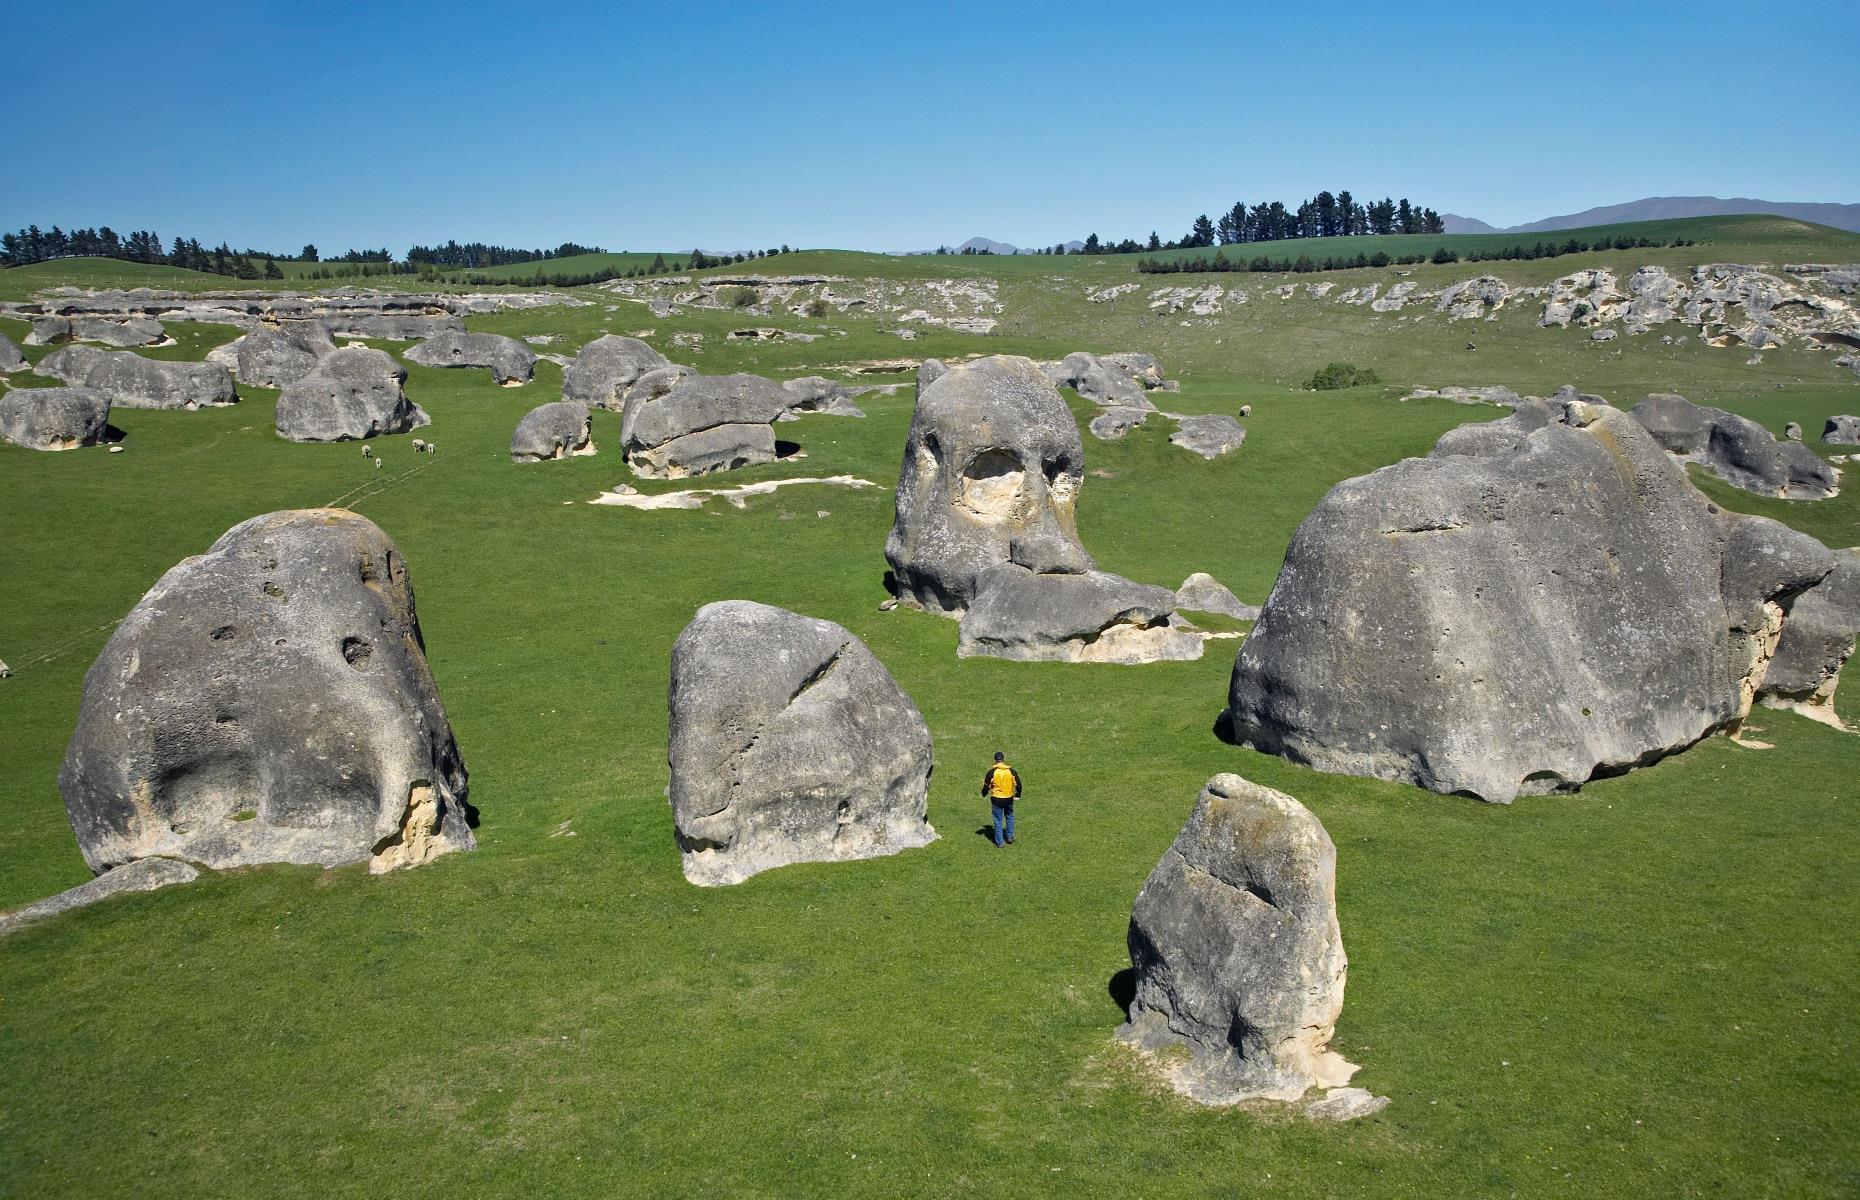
(1442,255)
(1327,214)
(31,245)
(478,254)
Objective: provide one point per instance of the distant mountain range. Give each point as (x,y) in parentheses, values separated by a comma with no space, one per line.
(1662,208)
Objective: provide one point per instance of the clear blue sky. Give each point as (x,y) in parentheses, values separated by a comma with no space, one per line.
(881,126)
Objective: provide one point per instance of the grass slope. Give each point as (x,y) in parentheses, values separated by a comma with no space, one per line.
(1646,988)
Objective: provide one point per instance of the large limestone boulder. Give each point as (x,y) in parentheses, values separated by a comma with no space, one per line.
(991,474)
(1113,423)
(392,326)
(11,359)
(60,418)
(1101,383)
(1236,949)
(1518,614)
(1089,617)
(1817,640)
(131,381)
(606,367)
(790,743)
(704,423)
(276,356)
(818,394)
(269,701)
(1209,435)
(1841,431)
(1736,449)
(129,331)
(511,362)
(549,431)
(355,392)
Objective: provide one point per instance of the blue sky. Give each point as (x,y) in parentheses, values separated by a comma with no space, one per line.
(882,126)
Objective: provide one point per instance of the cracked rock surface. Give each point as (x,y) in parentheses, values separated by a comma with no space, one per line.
(790,742)
(269,701)
(1236,950)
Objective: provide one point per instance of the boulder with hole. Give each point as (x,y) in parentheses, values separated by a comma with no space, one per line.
(1237,953)
(269,701)
(355,392)
(1841,431)
(790,743)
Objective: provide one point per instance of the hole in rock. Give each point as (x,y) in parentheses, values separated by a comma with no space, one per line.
(992,483)
(356,651)
(224,632)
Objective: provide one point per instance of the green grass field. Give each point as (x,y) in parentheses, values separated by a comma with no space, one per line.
(1648,988)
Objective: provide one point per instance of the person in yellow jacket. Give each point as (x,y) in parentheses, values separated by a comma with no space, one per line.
(1002,787)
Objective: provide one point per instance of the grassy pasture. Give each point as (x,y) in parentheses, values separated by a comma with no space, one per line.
(1648,988)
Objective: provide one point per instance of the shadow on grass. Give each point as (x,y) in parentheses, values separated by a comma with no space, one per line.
(1123,989)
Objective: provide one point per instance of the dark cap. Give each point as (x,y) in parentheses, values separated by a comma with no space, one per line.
(1000,757)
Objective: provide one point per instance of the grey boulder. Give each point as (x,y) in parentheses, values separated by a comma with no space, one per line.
(351,393)
(1841,431)
(1817,640)
(818,394)
(1209,436)
(275,356)
(269,701)
(704,423)
(11,359)
(1090,617)
(143,875)
(928,372)
(1553,604)
(1237,953)
(1736,449)
(60,418)
(549,431)
(129,331)
(789,743)
(1101,383)
(1202,592)
(392,326)
(991,474)
(606,367)
(131,381)
(1113,423)
(511,362)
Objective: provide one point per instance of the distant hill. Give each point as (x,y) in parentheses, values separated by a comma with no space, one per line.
(979,244)
(1458,224)
(1662,208)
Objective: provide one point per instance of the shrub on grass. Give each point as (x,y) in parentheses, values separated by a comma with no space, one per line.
(1333,376)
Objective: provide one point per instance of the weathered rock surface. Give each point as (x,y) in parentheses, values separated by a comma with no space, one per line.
(392,326)
(1089,617)
(1841,431)
(928,372)
(818,394)
(1108,384)
(269,701)
(1114,423)
(790,743)
(1817,640)
(1345,1104)
(351,393)
(1736,449)
(555,430)
(511,362)
(606,367)
(1518,614)
(275,356)
(1202,592)
(703,423)
(132,331)
(131,381)
(991,474)
(61,418)
(1237,952)
(1471,299)
(143,875)
(11,359)
(1210,435)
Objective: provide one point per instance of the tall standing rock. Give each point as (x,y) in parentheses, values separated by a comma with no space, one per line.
(1518,613)
(790,743)
(606,367)
(1236,949)
(355,392)
(269,701)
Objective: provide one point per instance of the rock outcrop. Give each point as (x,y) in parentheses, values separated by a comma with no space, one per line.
(511,362)
(60,418)
(355,392)
(132,331)
(276,356)
(1101,382)
(606,367)
(131,381)
(1841,431)
(1520,612)
(1089,617)
(556,430)
(818,394)
(1236,949)
(1113,423)
(1736,449)
(1208,435)
(1202,592)
(790,743)
(143,875)
(11,359)
(928,372)
(1817,640)
(700,424)
(269,701)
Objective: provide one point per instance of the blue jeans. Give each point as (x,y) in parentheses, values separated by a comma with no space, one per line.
(1003,813)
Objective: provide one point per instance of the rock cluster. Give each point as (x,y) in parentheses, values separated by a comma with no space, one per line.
(555,430)
(1236,949)
(355,392)
(789,743)
(133,331)
(269,701)
(511,362)
(60,418)
(701,423)
(1736,449)
(1543,600)
(131,381)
